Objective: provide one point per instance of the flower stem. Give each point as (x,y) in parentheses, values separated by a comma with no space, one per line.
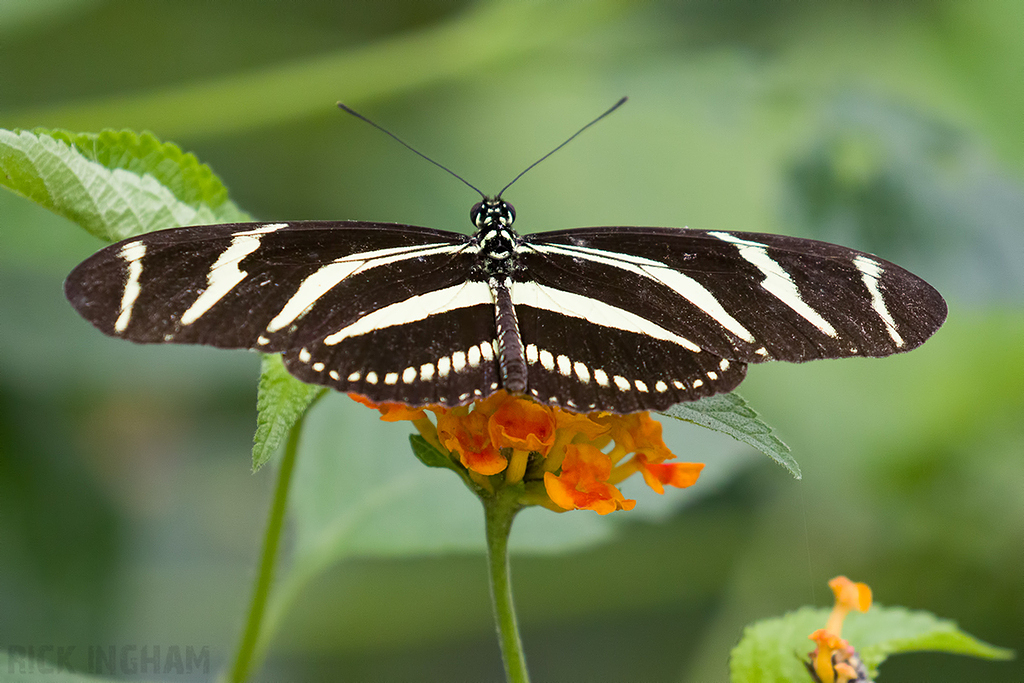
(499,510)
(244,658)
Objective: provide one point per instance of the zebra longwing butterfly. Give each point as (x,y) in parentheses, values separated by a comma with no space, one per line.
(619,319)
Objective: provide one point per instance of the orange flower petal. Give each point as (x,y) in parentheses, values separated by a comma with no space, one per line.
(390,412)
(486,462)
(822,657)
(396,412)
(637,433)
(522,424)
(583,482)
(559,491)
(579,424)
(586,463)
(851,595)
(827,639)
(678,474)
(601,498)
(359,398)
(466,434)
(845,673)
(490,404)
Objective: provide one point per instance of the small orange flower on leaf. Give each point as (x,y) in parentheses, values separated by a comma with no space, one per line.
(834,660)
(850,595)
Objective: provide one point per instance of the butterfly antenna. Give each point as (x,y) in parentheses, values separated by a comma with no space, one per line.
(409,147)
(613,108)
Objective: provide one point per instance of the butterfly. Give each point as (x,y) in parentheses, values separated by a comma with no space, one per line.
(617,319)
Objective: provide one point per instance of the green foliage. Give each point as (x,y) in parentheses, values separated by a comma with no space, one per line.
(730,414)
(469,42)
(912,187)
(774,650)
(281,401)
(428,455)
(115,184)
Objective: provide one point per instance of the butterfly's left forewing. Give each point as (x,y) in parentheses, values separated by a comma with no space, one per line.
(233,286)
(351,305)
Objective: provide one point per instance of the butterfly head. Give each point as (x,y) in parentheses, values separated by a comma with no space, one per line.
(492,212)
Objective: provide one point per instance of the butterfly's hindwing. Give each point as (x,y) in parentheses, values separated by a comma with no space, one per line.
(583,366)
(444,358)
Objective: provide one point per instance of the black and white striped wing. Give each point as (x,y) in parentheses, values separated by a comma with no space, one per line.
(655,316)
(618,319)
(347,303)
(603,358)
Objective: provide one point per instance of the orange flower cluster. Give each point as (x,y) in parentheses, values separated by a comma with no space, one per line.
(567,461)
(835,660)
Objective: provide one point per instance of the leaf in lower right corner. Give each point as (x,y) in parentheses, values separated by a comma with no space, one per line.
(730,414)
(774,650)
(884,631)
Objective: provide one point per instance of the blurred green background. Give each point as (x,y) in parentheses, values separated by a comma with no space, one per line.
(128,515)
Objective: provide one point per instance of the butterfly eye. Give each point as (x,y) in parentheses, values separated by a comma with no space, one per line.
(511,212)
(474,213)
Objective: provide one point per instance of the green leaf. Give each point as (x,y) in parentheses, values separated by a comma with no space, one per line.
(891,630)
(115,184)
(281,401)
(730,414)
(428,455)
(773,650)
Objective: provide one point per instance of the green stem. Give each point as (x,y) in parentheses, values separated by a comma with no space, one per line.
(499,510)
(244,659)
